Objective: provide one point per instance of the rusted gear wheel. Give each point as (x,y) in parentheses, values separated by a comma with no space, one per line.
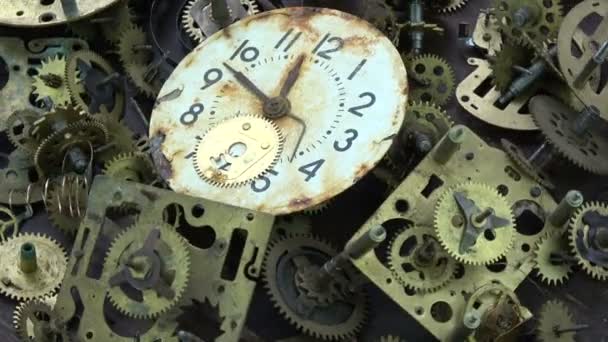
(120,17)
(132,46)
(509,56)
(50,81)
(418,261)
(146,80)
(518,157)
(36,321)
(325,310)
(134,167)
(19,129)
(554,315)
(552,272)
(588,237)
(434,79)
(540,19)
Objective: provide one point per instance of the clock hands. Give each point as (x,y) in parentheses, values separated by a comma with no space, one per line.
(247,83)
(292,76)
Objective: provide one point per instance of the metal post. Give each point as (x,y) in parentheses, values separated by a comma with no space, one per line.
(449,144)
(573,200)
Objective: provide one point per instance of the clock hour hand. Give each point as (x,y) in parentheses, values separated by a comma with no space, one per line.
(292,76)
(247,83)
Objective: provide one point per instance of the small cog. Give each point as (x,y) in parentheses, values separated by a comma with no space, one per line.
(434,79)
(133,166)
(238,150)
(418,261)
(32,266)
(552,272)
(132,46)
(554,315)
(19,127)
(146,81)
(588,238)
(452,6)
(538,19)
(503,66)
(151,260)
(474,223)
(518,157)
(35,320)
(50,81)
(121,19)
(326,310)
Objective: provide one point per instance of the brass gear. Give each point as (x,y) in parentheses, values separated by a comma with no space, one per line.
(19,129)
(146,84)
(556,120)
(86,134)
(131,46)
(77,88)
(46,124)
(151,259)
(121,136)
(191,27)
(390,338)
(518,157)
(554,314)
(552,272)
(35,320)
(488,240)
(39,281)
(418,261)
(509,56)
(237,150)
(435,79)
(66,204)
(586,235)
(50,81)
(329,312)
(133,166)
(121,19)
(453,6)
(544,22)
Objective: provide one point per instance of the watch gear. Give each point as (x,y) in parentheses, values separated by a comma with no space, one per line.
(434,79)
(86,135)
(35,320)
(550,266)
(556,122)
(554,315)
(524,164)
(132,46)
(238,150)
(452,6)
(85,72)
(588,239)
(122,138)
(191,26)
(147,269)
(19,129)
(32,266)
(66,204)
(503,67)
(418,261)
(474,223)
(50,81)
(543,19)
(390,338)
(328,309)
(318,209)
(144,77)
(52,121)
(133,166)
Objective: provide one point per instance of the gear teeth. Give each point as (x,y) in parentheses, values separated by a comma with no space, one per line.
(555,313)
(318,209)
(453,6)
(535,31)
(24,309)
(133,35)
(576,224)
(552,275)
(447,79)
(53,65)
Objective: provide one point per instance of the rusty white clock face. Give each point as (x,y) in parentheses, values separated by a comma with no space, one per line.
(333,84)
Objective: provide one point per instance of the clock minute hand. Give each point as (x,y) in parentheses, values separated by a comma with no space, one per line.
(292,76)
(247,83)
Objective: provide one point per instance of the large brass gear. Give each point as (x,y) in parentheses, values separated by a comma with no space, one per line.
(329,312)
(418,261)
(544,20)
(133,166)
(86,134)
(32,266)
(463,230)
(238,150)
(191,27)
(151,259)
(66,204)
(509,56)
(35,320)
(587,238)
(522,162)
(77,87)
(552,272)
(434,79)
(50,81)
(19,129)
(554,315)
(556,121)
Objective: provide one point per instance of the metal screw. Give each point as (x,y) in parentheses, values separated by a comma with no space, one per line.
(535,191)
(479,218)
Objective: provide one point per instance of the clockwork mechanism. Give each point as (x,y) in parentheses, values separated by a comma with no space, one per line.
(333,86)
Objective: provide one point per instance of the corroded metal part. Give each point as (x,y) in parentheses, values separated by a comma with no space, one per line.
(46,13)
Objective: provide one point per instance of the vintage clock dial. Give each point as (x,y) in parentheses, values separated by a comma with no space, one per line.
(332,84)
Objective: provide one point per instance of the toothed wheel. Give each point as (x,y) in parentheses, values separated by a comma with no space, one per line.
(122,138)
(453,6)
(238,150)
(418,261)
(134,167)
(146,80)
(291,224)
(552,271)
(503,64)
(147,270)
(474,223)
(554,315)
(121,19)
(588,238)
(318,209)
(31,265)
(434,79)
(518,157)
(539,19)
(35,320)
(556,122)
(191,26)
(19,127)
(325,310)
(131,46)
(50,82)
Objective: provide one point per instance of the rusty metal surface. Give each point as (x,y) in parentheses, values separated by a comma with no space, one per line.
(46,13)
(351,93)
